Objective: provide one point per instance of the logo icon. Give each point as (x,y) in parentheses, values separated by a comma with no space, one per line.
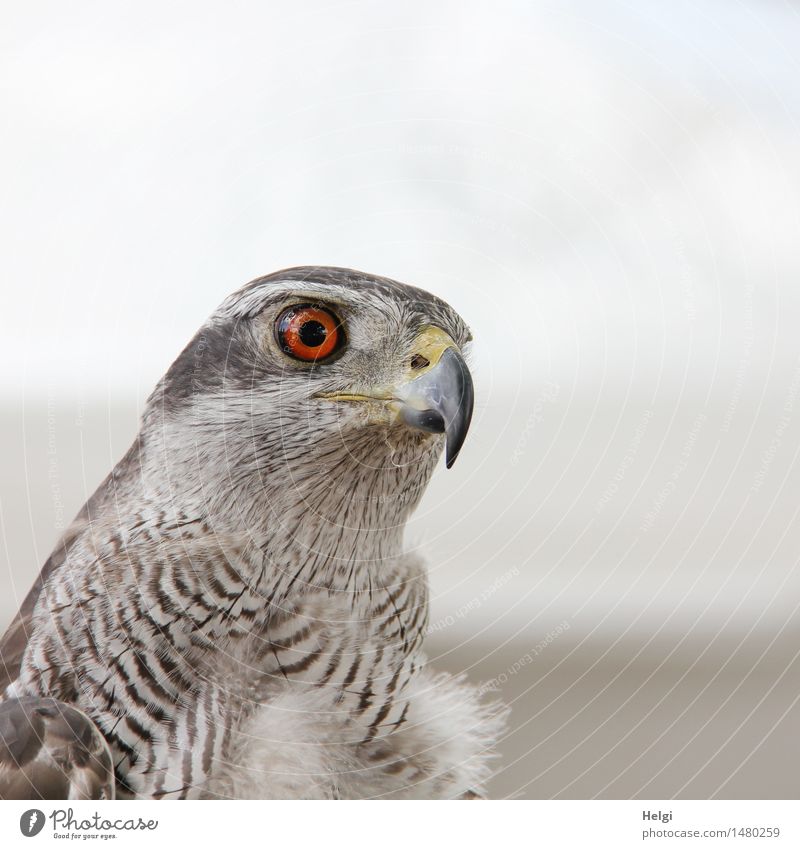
(31,822)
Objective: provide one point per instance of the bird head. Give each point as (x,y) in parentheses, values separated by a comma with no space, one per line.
(321,373)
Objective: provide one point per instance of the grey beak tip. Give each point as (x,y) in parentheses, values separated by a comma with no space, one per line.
(465,397)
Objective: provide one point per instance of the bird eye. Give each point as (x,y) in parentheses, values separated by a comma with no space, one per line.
(309,333)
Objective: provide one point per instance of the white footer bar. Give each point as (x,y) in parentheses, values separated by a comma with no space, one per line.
(383,825)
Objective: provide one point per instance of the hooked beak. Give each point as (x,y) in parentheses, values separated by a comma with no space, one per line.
(436,397)
(441,398)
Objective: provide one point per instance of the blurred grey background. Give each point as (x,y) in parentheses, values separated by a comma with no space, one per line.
(608,192)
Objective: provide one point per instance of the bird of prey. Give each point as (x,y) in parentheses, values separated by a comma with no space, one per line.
(233,613)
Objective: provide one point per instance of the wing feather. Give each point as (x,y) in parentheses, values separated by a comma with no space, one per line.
(51,750)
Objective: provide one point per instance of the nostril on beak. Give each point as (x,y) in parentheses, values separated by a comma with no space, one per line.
(418,362)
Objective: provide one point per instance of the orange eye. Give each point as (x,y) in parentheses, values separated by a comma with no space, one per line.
(309,333)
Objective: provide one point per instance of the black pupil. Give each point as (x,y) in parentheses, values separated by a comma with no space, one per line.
(312,334)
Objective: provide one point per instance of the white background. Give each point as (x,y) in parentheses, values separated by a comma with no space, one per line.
(608,192)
